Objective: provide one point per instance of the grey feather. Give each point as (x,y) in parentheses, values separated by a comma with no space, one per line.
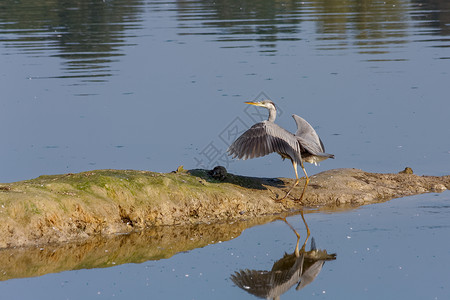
(267,137)
(270,284)
(306,131)
(264,138)
(312,147)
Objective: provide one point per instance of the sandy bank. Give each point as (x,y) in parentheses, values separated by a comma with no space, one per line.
(69,207)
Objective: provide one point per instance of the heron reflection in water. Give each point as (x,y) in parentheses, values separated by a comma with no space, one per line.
(267,137)
(298,268)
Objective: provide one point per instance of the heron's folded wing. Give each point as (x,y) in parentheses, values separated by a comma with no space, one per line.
(307,133)
(312,148)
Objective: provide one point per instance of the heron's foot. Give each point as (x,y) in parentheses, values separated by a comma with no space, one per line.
(282,199)
(299,200)
(279,200)
(286,197)
(267,187)
(275,195)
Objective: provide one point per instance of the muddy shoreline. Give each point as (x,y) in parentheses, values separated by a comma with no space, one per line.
(73,207)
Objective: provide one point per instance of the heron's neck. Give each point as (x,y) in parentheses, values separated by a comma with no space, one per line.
(272,114)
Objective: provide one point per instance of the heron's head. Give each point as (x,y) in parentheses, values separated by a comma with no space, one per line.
(264,103)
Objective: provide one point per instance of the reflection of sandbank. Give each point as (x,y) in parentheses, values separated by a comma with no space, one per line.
(160,242)
(62,208)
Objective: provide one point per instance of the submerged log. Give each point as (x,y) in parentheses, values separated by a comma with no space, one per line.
(69,207)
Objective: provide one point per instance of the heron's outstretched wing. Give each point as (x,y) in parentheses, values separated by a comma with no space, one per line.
(264,138)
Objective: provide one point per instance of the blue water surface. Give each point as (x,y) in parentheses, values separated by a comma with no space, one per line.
(391,250)
(151,85)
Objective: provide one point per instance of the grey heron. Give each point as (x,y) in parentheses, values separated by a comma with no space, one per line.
(267,137)
(299,268)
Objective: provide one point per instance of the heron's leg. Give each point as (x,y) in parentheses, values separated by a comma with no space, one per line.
(306,182)
(297,253)
(295,183)
(307,228)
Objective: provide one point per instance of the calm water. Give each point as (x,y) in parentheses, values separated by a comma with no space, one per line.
(152,85)
(394,250)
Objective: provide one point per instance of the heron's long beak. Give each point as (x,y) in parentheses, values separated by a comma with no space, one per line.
(253,103)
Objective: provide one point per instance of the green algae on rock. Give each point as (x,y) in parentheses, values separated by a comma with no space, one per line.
(68,207)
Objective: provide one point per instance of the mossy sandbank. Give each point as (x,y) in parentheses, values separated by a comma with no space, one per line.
(70,207)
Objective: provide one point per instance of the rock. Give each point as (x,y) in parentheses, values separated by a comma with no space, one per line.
(407,170)
(218,173)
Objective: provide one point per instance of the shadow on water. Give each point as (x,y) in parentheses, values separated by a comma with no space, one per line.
(298,268)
